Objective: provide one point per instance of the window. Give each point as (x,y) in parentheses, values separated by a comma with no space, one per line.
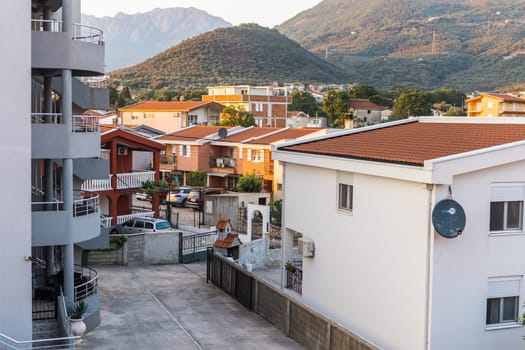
(506,216)
(240,153)
(503,301)
(148,225)
(346,194)
(192,119)
(184,150)
(489,104)
(259,107)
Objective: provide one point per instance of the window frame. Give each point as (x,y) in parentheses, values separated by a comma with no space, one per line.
(505,217)
(349,194)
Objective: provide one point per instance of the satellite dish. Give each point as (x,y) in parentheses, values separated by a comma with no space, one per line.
(223,132)
(448,218)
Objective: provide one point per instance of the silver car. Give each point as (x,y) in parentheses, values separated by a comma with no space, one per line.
(139,225)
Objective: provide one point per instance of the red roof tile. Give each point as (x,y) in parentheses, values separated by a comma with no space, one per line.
(222,223)
(248,134)
(227,242)
(191,134)
(413,143)
(286,134)
(178,106)
(362,104)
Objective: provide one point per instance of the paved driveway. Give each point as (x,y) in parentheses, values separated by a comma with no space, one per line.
(172,307)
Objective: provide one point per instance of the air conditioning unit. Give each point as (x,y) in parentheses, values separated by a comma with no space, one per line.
(306,247)
(122,151)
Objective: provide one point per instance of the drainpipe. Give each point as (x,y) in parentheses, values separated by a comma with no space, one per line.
(429,263)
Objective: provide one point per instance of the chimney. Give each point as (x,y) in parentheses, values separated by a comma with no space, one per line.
(349,120)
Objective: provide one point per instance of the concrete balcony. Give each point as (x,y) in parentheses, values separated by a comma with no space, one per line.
(81,51)
(52,225)
(52,138)
(91,168)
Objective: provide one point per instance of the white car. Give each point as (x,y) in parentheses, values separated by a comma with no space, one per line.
(143,224)
(141,196)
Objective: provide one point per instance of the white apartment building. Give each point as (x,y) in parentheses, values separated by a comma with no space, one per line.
(50,149)
(373,260)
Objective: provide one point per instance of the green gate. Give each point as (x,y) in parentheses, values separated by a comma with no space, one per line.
(192,247)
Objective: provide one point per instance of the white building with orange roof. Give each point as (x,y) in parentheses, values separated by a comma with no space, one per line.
(412,231)
(170,116)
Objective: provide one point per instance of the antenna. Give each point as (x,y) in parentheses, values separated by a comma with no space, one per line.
(448,218)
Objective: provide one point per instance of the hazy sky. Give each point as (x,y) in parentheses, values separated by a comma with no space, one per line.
(267,13)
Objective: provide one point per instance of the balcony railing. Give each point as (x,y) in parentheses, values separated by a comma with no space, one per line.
(88,204)
(9,343)
(105,221)
(80,123)
(135,179)
(88,34)
(168,159)
(105,154)
(47,206)
(86,282)
(123,218)
(95,185)
(81,32)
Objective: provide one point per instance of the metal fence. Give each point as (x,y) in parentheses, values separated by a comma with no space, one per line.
(193,247)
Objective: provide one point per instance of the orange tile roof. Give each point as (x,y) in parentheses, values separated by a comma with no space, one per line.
(506,97)
(414,142)
(191,134)
(167,106)
(222,223)
(360,104)
(248,134)
(227,242)
(286,134)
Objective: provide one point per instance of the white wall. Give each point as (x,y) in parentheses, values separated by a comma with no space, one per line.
(370,268)
(15,146)
(463,265)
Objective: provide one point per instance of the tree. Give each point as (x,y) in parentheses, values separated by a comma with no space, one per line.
(304,101)
(250,183)
(124,97)
(335,105)
(232,116)
(276,210)
(414,103)
(196,178)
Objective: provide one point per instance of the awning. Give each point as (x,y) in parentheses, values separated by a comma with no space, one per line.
(218,174)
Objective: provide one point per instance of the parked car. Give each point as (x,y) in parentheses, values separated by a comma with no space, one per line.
(142,224)
(141,196)
(179,196)
(195,198)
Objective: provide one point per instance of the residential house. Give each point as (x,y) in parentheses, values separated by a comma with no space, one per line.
(48,143)
(495,105)
(363,201)
(297,119)
(188,150)
(170,116)
(364,111)
(268,104)
(133,160)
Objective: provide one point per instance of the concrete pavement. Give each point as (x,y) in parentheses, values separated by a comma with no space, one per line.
(172,307)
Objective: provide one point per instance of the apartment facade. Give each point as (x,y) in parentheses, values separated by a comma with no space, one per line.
(374,260)
(169,116)
(268,104)
(495,105)
(50,153)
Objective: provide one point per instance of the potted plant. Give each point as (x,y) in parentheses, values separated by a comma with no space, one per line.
(78,327)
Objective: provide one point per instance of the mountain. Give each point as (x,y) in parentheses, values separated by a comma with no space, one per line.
(244,54)
(463,44)
(131,39)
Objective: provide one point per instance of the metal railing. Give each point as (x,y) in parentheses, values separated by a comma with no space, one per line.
(81,32)
(46,25)
(88,204)
(294,279)
(47,206)
(88,282)
(46,118)
(85,123)
(123,218)
(8,343)
(168,159)
(88,34)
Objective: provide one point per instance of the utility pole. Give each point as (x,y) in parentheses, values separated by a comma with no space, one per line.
(434,43)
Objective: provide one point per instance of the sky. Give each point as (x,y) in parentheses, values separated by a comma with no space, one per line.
(267,13)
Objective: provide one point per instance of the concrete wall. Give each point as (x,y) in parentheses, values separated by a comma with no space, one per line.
(253,253)
(370,267)
(463,265)
(227,206)
(140,248)
(15,141)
